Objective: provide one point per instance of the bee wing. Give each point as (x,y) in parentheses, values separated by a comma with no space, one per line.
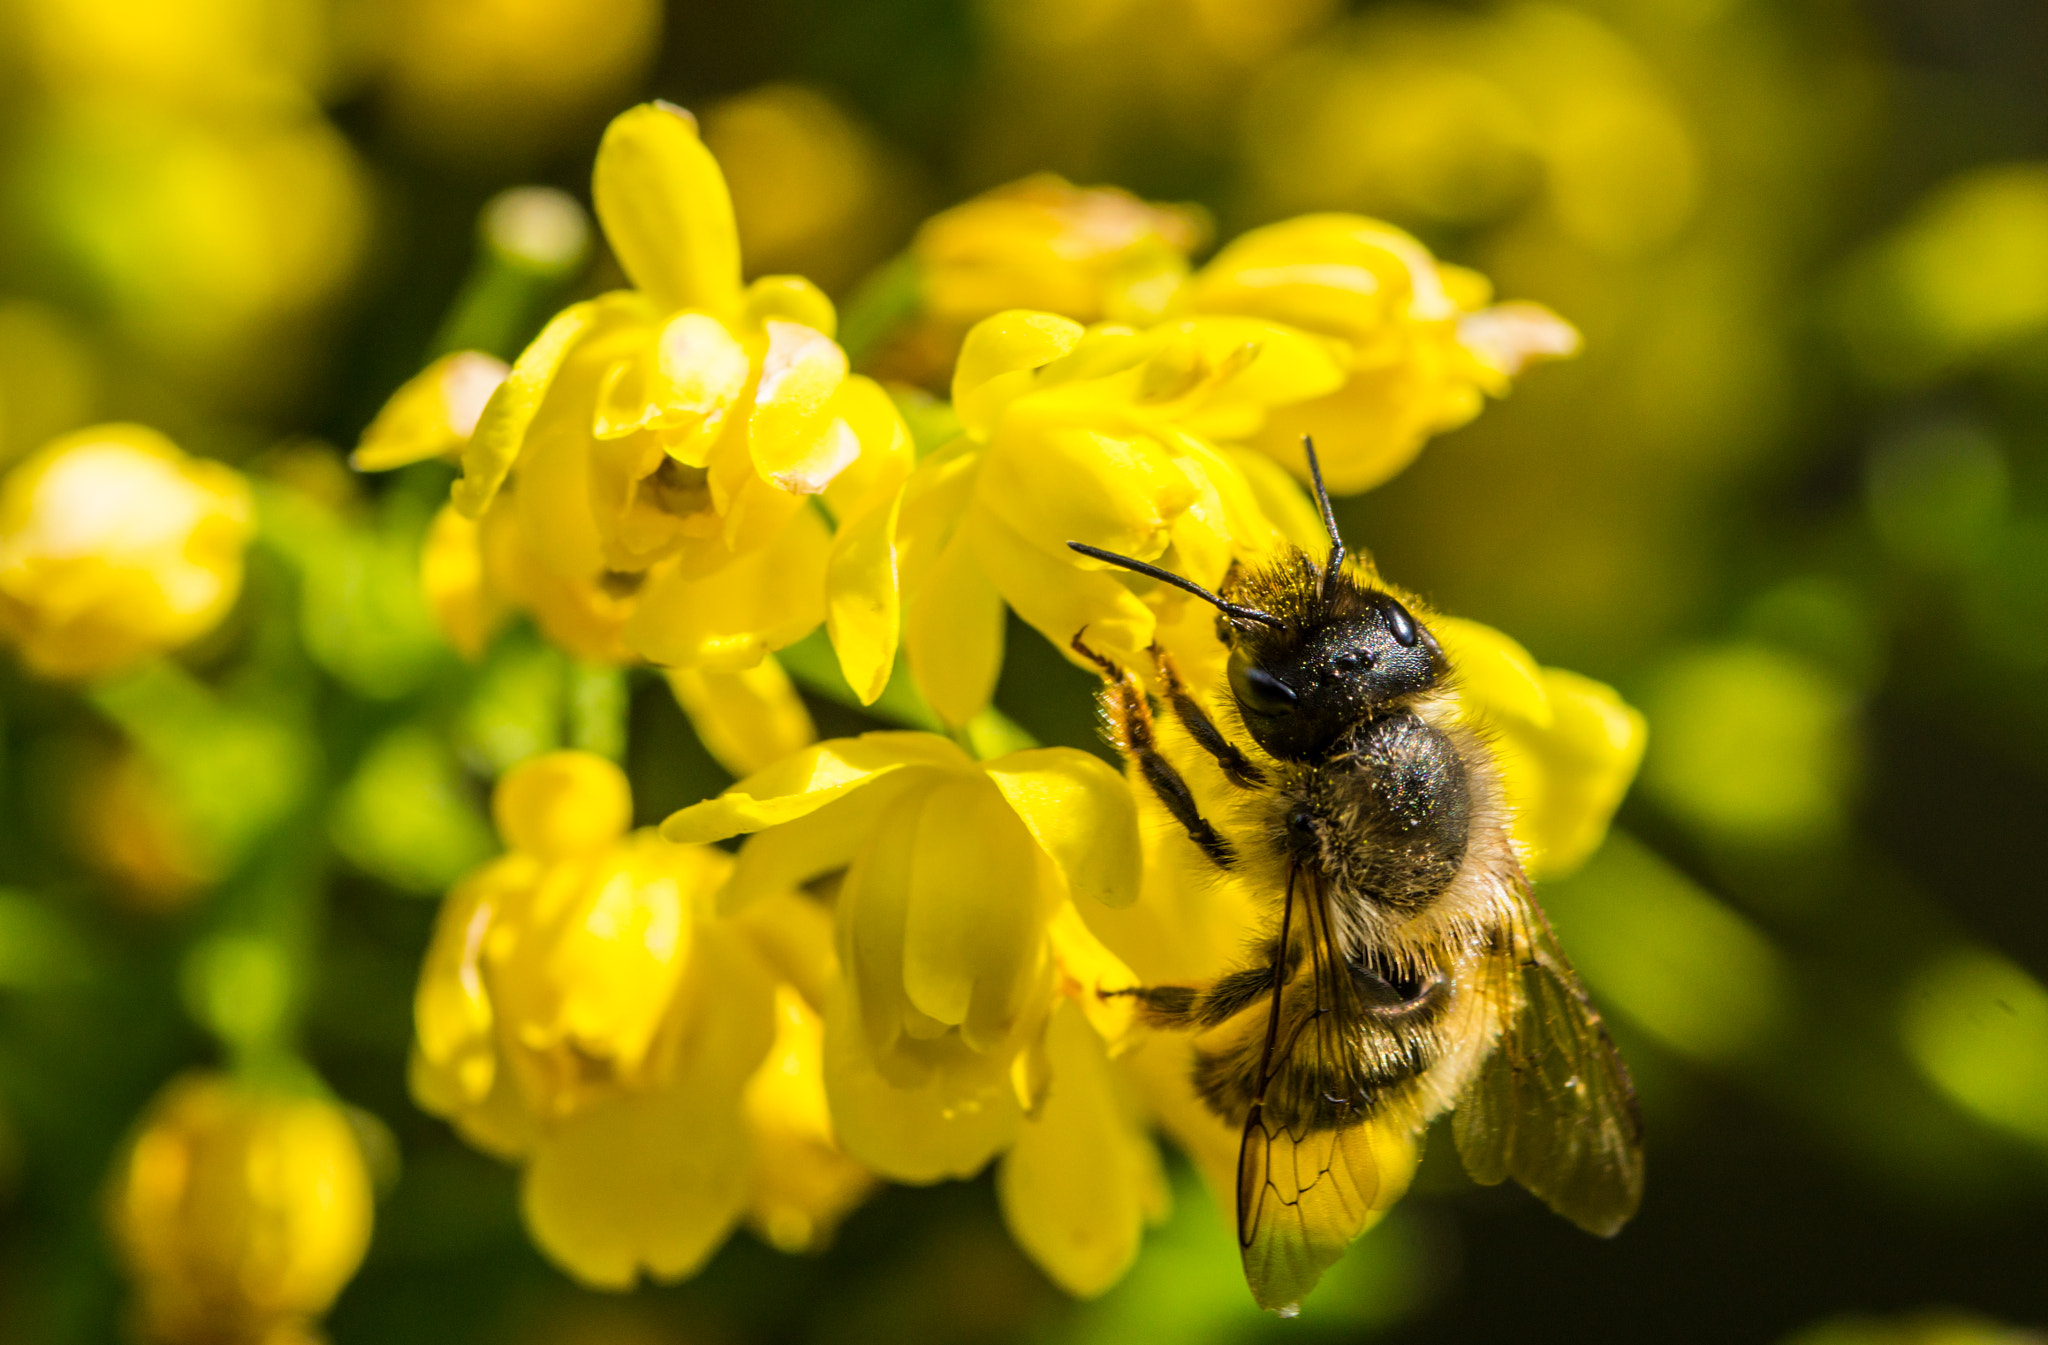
(1553,1107)
(1302,1197)
(1304,1191)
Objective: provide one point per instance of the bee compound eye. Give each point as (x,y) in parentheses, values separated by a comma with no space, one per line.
(1260,690)
(1401,624)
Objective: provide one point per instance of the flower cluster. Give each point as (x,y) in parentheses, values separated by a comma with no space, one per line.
(585,1011)
(658,475)
(907,966)
(907,972)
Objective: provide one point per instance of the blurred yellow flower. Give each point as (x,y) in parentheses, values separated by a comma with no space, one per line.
(180,55)
(1964,276)
(1459,118)
(812,189)
(967,1021)
(584,1011)
(214,242)
(1091,254)
(115,546)
(239,1213)
(505,80)
(1425,348)
(127,823)
(1092,82)
(1104,435)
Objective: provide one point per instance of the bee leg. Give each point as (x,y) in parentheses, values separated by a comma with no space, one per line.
(1130,724)
(1203,729)
(1162,1005)
(1187,1006)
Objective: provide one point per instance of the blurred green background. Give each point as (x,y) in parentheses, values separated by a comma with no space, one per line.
(1792,501)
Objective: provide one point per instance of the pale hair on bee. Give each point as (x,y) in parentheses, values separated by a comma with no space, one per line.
(1406,970)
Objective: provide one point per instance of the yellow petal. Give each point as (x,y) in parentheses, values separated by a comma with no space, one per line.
(562,804)
(502,425)
(788,855)
(887,452)
(1509,337)
(863,598)
(666,212)
(1090,974)
(747,720)
(1063,596)
(792,299)
(726,620)
(1079,810)
(793,436)
(977,906)
(683,384)
(872,910)
(1584,762)
(1083,1179)
(1248,360)
(795,936)
(433,414)
(465,605)
(1497,680)
(800,1183)
(807,781)
(949,1125)
(1280,499)
(953,632)
(1055,483)
(997,360)
(654,1180)
(452,1014)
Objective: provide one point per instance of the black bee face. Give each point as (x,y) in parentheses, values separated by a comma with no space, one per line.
(1301,690)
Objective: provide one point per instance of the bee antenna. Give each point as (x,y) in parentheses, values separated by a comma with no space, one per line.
(1315,474)
(1229,609)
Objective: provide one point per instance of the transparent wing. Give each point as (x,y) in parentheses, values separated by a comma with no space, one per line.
(1310,1176)
(1553,1108)
(1303,1196)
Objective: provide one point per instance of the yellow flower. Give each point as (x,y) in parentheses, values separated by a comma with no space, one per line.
(499,80)
(653,478)
(813,189)
(584,1012)
(1092,254)
(1104,435)
(966,1022)
(240,1213)
(1567,746)
(115,546)
(1425,349)
(663,443)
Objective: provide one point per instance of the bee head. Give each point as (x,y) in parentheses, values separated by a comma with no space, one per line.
(1328,655)
(1301,687)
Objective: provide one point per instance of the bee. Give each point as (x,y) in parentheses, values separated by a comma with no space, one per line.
(1407,971)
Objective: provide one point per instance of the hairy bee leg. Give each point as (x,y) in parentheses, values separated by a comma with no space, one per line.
(1130,721)
(1201,728)
(1188,1006)
(1162,1005)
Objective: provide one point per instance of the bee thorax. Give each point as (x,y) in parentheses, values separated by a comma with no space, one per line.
(1387,820)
